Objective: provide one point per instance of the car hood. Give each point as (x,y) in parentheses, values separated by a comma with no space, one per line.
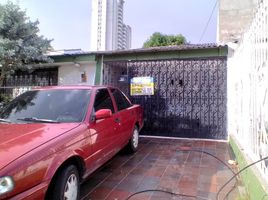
(18,139)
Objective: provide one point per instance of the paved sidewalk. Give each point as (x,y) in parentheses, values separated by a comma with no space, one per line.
(163,164)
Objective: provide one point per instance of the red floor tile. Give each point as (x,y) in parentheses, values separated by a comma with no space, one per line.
(162,164)
(99,193)
(118,195)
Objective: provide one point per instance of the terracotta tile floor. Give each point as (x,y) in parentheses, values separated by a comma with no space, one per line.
(163,164)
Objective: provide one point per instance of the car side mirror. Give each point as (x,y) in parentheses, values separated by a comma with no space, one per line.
(103,113)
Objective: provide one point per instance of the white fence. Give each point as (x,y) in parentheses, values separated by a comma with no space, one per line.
(248,90)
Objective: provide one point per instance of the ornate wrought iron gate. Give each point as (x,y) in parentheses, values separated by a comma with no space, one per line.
(190,95)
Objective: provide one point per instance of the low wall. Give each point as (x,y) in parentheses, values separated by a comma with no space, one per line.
(256,188)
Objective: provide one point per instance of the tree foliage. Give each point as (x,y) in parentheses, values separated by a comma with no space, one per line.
(159,39)
(21,46)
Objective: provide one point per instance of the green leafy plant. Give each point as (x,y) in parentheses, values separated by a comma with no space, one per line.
(159,39)
(21,46)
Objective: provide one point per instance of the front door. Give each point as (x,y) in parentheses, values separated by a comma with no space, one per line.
(103,131)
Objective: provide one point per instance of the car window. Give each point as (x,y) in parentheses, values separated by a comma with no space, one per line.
(59,105)
(120,99)
(103,100)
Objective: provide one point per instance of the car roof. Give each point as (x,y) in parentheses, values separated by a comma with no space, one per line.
(72,87)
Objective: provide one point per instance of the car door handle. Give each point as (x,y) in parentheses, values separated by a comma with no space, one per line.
(117,120)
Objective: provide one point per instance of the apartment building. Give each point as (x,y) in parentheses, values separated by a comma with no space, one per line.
(108,31)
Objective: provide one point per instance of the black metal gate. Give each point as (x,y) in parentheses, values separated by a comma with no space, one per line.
(39,77)
(189,99)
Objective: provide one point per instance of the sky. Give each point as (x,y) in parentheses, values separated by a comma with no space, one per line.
(68,22)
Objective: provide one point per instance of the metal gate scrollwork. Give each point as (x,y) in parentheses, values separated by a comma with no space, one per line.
(189,99)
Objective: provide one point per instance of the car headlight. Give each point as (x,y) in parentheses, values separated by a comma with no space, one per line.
(6,184)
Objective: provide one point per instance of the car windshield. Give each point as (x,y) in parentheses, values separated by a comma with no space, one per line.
(47,106)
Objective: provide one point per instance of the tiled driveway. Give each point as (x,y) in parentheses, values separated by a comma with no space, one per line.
(165,164)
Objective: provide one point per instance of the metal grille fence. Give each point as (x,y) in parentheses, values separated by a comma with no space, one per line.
(22,81)
(9,93)
(44,77)
(189,95)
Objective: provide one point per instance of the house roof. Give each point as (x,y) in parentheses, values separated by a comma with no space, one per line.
(77,52)
(65,52)
(162,49)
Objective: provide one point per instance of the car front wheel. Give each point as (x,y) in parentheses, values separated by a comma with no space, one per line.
(67,184)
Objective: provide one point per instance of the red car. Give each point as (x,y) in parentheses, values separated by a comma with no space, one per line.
(52,138)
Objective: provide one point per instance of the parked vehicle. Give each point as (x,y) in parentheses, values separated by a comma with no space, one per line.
(52,138)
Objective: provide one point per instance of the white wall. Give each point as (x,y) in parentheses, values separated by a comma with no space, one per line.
(248,90)
(234,17)
(69,74)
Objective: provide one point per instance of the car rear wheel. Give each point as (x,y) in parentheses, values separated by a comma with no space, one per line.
(133,143)
(67,186)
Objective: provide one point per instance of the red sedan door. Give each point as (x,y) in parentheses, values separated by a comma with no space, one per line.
(102,132)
